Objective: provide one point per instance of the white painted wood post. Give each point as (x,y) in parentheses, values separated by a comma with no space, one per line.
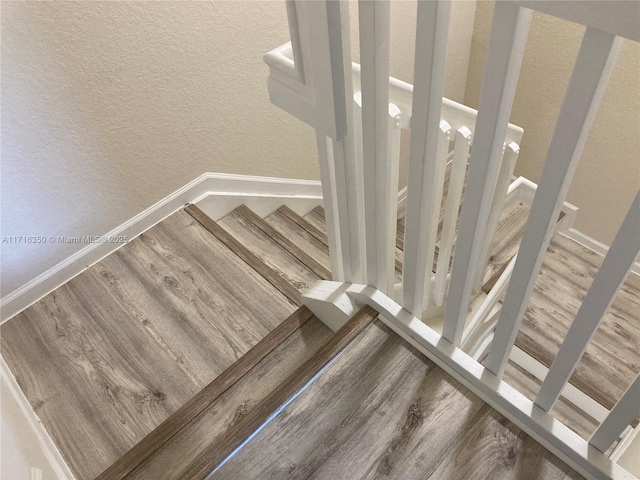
(461,145)
(374,20)
(625,411)
(346,173)
(608,280)
(432,26)
(330,201)
(587,85)
(506,48)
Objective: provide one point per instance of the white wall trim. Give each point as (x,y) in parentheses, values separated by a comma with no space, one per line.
(217,193)
(37,431)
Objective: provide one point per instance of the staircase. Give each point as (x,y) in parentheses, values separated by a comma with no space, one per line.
(188,352)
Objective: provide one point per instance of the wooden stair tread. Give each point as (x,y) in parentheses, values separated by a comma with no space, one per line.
(215,409)
(612,359)
(268,251)
(108,356)
(319,225)
(565,411)
(381,409)
(316,218)
(282,383)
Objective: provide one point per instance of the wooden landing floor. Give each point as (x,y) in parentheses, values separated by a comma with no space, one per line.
(612,359)
(382,410)
(111,354)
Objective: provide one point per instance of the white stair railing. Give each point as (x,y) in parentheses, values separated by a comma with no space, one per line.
(358,146)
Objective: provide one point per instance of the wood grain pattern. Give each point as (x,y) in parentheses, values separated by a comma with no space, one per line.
(284,242)
(382,410)
(317,216)
(505,243)
(220,418)
(565,411)
(108,356)
(318,234)
(300,236)
(273,276)
(612,360)
(291,271)
(220,449)
(164,432)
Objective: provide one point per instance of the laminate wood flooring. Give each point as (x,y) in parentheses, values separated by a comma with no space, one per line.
(112,353)
(382,410)
(612,359)
(221,417)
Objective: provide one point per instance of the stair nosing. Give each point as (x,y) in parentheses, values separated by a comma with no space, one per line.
(216,452)
(170,427)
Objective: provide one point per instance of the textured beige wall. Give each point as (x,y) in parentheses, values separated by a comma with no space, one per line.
(608,175)
(107,107)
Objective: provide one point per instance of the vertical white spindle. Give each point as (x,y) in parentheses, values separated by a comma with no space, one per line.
(390,227)
(509,158)
(461,145)
(587,85)
(625,411)
(346,173)
(613,271)
(374,59)
(506,48)
(330,202)
(431,44)
(294,33)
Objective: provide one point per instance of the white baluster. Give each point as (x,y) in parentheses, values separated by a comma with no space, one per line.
(374,59)
(506,48)
(586,88)
(454,198)
(347,174)
(625,411)
(509,158)
(431,44)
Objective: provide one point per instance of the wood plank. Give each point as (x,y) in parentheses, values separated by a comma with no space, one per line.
(164,432)
(228,239)
(608,280)
(316,218)
(293,249)
(505,243)
(301,236)
(221,416)
(495,448)
(134,337)
(611,360)
(565,411)
(381,409)
(220,449)
(591,72)
(309,227)
(506,49)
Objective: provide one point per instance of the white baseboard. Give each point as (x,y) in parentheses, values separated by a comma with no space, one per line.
(29,444)
(217,194)
(595,245)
